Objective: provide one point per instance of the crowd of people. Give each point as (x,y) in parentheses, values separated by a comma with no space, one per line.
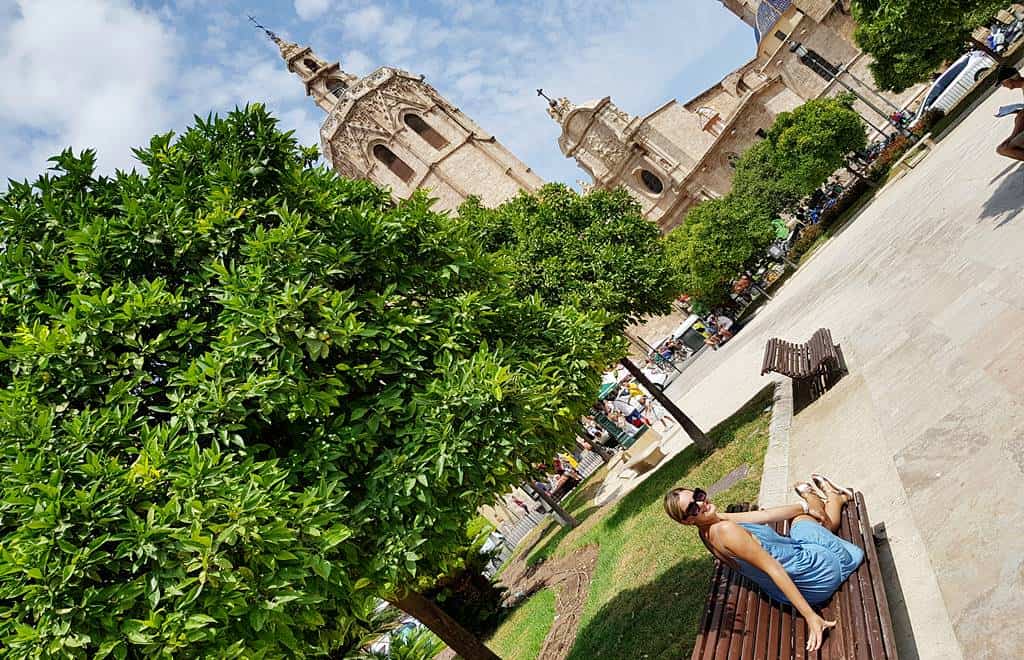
(718,329)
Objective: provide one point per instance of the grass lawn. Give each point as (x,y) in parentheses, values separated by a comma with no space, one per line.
(522,635)
(649,587)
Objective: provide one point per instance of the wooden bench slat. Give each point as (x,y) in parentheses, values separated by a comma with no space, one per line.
(856,612)
(863,576)
(774,622)
(845,628)
(751,628)
(786,632)
(800,639)
(710,637)
(740,628)
(716,620)
(877,580)
(834,639)
(764,615)
(728,625)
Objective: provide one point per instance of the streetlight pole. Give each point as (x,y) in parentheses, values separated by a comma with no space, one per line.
(815,62)
(860,82)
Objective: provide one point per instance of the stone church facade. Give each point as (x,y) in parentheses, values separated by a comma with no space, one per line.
(394,129)
(683,153)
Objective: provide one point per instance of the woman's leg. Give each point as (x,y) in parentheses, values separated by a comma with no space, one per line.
(817,510)
(834,508)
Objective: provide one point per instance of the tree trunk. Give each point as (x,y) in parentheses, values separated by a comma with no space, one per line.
(561,515)
(448,629)
(702,441)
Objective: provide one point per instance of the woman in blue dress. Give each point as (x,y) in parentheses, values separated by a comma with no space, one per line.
(802,569)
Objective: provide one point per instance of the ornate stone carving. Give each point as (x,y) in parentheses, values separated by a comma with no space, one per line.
(616,115)
(561,109)
(608,149)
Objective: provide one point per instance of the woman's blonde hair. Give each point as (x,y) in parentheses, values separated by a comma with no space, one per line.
(672,507)
(677,512)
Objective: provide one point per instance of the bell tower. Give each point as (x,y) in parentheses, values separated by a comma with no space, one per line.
(651,156)
(746,10)
(397,131)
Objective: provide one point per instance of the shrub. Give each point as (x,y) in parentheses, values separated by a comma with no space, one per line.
(805,241)
(889,155)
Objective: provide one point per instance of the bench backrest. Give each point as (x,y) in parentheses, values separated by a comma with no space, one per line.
(801,360)
(821,350)
(741,622)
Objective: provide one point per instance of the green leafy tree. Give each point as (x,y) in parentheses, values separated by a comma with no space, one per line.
(910,39)
(594,251)
(812,141)
(416,644)
(240,395)
(763,179)
(714,243)
(804,147)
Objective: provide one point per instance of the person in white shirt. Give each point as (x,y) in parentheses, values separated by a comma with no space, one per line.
(724,325)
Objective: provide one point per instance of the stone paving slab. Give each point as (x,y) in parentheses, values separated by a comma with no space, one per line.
(924,293)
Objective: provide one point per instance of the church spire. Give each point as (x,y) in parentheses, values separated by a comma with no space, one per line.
(326,83)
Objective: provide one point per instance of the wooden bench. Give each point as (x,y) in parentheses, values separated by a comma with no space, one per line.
(741,622)
(814,366)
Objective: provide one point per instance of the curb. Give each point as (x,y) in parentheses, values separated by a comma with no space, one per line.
(775,474)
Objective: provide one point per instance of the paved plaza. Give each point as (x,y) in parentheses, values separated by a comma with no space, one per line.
(924,293)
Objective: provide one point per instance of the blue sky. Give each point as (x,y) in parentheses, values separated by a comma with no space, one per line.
(109,74)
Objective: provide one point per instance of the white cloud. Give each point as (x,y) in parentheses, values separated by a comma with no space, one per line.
(310,9)
(365,22)
(357,62)
(85,73)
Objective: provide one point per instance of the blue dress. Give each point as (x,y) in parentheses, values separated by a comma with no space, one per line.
(816,560)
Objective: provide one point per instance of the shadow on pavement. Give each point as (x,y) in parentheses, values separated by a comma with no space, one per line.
(905,642)
(1007,200)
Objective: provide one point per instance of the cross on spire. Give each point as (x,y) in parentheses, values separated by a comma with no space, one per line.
(551,101)
(270,33)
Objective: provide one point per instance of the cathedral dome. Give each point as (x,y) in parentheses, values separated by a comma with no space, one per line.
(768,14)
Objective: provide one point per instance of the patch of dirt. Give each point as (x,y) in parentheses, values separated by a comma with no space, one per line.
(570,578)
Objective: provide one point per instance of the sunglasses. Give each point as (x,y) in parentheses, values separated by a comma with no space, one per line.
(694,506)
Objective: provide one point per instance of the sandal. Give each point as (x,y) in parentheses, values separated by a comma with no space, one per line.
(804,488)
(820,479)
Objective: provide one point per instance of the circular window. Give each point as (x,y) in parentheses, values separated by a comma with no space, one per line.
(651,182)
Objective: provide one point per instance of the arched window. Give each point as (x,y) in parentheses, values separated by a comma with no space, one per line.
(425,131)
(394,163)
(651,182)
(310,64)
(337,88)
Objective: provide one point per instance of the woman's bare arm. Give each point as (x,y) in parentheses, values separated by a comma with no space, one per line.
(741,544)
(763,516)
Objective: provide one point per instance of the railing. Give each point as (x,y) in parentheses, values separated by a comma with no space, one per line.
(514,533)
